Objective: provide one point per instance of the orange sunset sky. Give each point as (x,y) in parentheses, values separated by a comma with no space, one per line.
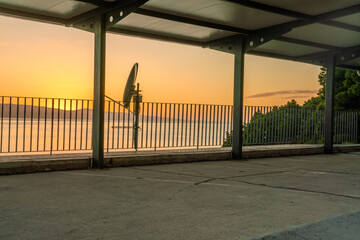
(45,60)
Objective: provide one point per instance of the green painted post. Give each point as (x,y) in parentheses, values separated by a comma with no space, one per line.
(329,105)
(99,92)
(238,100)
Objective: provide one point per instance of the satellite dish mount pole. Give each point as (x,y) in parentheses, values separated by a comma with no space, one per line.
(137,99)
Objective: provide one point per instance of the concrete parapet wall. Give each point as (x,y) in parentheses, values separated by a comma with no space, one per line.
(76,162)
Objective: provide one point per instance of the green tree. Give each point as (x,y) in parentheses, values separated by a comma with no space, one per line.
(347,91)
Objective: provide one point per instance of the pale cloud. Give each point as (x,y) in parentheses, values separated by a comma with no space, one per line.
(297,96)
(270,94)
(80,42)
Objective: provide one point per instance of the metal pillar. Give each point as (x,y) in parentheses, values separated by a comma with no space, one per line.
(99,92)
(238,99)
(329,104)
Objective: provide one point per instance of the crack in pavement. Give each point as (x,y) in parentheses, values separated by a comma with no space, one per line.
(294,189)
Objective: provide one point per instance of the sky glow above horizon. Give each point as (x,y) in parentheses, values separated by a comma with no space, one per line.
(44,60)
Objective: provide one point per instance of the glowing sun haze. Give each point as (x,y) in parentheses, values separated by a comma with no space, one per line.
(44,60)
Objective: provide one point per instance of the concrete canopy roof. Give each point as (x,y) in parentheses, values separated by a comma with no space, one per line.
(298,30)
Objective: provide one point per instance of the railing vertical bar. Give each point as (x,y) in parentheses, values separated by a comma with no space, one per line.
(160,124)
(118,127)
(147,124)
(266,132)
(169,125)
(303,123)
(182,125)
(258,135)
(2,122)
(108,127)
(255,126)
(213,125)
(45,120)
(354,127)
(338,126)
(173,138)
(76,116)
(262,124)
(70,122)
(280,117)
(246,126)
(142,123)
(223,125)
(128,128)
(216,137)
(31,122)
(285,126)
(58,125)
(87,123)
(341,126)
(52,126)
(252,126)
(288,124)
(291,111)
(24,127)
(296,121)
(313,126)
(195,120)
(309,125)
(272,115)
(151,129)
(202,125)
(178,125)
(186,123)
(81,124)
(210,122)
(191,120)
(227,120)
(318,126)
(282,128)
(249,124)
(198,127)
(231,121)
(206,121)
(165,117)
(338,137)
(64,124)
(9,133)
(113,127)
(17,124)
(220,123)
(156,122)
(9,125)
(357,127)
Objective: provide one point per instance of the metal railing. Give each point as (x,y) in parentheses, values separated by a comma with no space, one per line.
(57,125)
(283,125)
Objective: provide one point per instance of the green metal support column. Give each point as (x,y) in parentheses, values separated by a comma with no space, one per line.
(238,99)
(99,92)
(329,104)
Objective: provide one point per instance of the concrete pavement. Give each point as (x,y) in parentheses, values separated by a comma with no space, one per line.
(202,200)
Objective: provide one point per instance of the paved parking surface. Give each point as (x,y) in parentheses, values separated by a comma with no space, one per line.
(203,200)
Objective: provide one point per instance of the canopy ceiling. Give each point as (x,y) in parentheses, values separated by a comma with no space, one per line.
(298,30)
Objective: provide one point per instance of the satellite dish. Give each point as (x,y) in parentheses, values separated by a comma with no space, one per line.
(358,72)
(129,87)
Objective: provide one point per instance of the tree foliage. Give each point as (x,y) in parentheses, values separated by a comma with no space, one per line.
(304,124)
(346,92)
